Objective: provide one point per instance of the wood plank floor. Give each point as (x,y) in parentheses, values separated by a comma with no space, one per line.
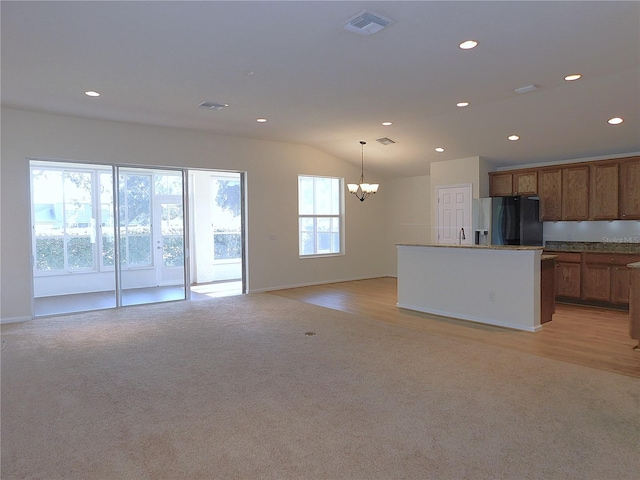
(589,336)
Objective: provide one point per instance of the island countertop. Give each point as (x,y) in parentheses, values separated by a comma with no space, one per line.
(485,247)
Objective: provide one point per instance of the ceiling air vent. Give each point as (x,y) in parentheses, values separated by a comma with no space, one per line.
(367,23)
(385,141)
(213,105)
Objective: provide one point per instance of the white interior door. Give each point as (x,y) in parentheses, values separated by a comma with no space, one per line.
(454,215)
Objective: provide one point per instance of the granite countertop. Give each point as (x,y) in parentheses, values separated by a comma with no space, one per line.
(481,247)
(596,247)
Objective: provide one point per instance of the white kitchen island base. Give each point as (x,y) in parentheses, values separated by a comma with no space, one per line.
(495,285)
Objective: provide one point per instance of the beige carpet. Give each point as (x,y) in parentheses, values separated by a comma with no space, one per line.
(232,388)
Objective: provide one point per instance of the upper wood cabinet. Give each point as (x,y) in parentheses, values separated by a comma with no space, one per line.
(500,184)
(629,175)
(603,194)
(525,183)
(599,190)
(550,192)
(575,193)
(513,183)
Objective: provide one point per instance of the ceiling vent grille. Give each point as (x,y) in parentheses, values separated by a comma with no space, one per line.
(367,23)
(213,105)
(385,141)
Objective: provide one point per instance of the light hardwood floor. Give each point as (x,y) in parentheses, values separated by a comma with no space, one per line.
(589,336)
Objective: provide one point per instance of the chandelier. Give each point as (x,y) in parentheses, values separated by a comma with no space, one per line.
(362,190)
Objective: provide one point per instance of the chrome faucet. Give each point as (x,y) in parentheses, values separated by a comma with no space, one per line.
(461,236)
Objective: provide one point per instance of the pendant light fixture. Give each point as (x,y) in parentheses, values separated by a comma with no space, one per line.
(362,190)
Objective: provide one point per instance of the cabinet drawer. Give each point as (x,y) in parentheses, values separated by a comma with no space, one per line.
(567,257)
(610,258)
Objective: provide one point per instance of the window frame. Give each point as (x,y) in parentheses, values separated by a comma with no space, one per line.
(340,216)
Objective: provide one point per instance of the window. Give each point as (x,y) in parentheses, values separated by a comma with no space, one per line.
(64,217)
(226,208)
(320,215)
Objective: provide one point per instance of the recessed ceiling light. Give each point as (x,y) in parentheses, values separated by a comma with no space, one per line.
(513,138)
(386,124)
(462,104)
(615,121)
(468,44)
(572,77)
(91,93)
(261,120)
(439,149)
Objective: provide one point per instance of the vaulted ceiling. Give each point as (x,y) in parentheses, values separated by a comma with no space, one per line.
(318,84)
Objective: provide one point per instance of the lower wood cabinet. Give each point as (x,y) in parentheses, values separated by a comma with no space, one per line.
(594,277)
(620,282)
(596,282)
(568,274)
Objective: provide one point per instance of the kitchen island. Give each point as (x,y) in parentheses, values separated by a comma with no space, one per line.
(495,285)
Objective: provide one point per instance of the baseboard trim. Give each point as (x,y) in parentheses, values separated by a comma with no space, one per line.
(4,321)
(470,318)
(311,284)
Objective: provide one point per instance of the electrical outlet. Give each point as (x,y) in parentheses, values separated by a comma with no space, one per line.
(492,296)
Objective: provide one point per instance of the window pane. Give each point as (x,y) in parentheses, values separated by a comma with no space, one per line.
(47,192)
(172,241)
(108,249)
(106,219)
(80,252)
(226,209)
(168,184)
(135,219)
(139,249)
(305,195)
(49,253)
(307,236)
(172,251)
(327,200)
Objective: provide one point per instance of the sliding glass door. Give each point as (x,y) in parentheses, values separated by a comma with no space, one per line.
(73,270)
(93,249)
(151,235)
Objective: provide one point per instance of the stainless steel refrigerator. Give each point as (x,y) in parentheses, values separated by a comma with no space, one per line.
(515,221)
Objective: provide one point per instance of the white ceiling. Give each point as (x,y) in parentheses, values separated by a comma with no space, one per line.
(319,85)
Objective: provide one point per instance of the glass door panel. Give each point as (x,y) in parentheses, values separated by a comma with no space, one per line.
(151,235)
(68,272)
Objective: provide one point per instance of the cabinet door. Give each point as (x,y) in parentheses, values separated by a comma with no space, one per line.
(575,193)
(501,184)
(596,284)
(525,183)
(568,279)
(550,192)
(620,284)
(629,189)
(603,195)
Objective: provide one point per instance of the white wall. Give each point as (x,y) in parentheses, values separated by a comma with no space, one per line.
(409,214)
(455,172)
(271,167)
